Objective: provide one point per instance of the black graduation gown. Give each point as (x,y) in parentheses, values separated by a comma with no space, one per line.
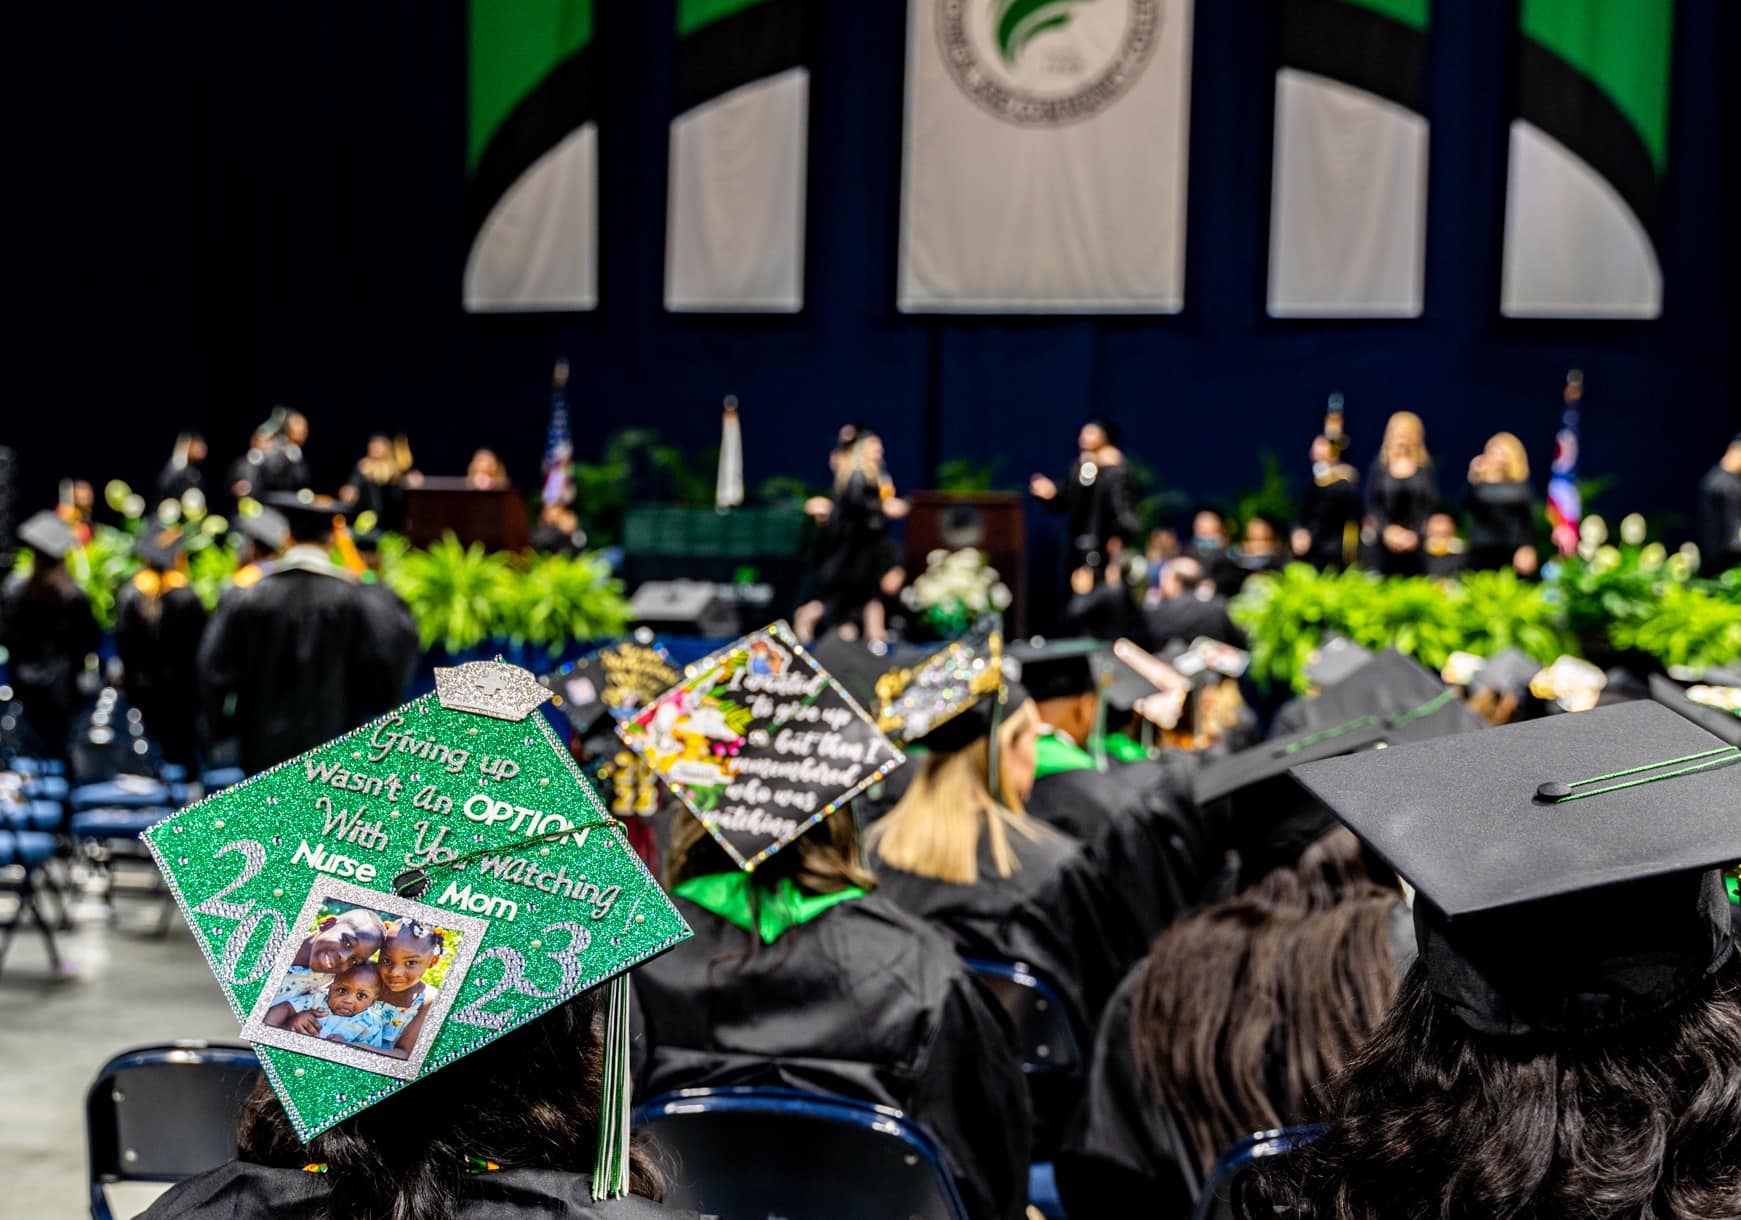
(1123,1145)
(1720,520)
(158,643)
(396,632)
(385,500)
(1405,502)
(858,554)
(1052,912)
(48,629)
(1326,512)
(1098,505)
(243,1191)
(863,1000)
(173,482)
(1501,521)
(282,469)
(294,661)
(1188,616)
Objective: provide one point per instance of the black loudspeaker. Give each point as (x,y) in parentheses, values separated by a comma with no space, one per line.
(683,607)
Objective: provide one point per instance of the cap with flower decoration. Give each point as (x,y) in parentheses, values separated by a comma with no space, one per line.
(760,743)
(399,897)
(1566,868)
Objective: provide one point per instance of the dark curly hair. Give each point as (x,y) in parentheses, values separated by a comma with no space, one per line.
(1244,1008)
(1434,1122)
(529,1099)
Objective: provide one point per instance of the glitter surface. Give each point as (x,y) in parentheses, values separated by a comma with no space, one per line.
(326,815)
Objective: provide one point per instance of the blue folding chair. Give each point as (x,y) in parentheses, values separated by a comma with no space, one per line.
(750,1153)
(163,1113)
(110,839)
(1216,1201)
(1051,1056)
(28,852)
(122,792)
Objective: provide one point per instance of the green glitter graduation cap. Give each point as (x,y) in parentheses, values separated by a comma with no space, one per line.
(393,900)
(761,743)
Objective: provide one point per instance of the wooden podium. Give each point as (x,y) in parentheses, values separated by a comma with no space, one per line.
(442,505)
(991,522)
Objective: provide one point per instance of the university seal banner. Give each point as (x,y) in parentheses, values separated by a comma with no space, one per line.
(532,156)
(735,219)
(1348,202)
(1589,150)
(1045,156)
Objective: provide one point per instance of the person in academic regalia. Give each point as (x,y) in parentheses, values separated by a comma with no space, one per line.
(264,534)
(1237,1013)
(1401,491)
(284,467)
(1096,498)
(158,624)
(999,881)
(1501,508)
(1720,512)
(508,1131)
(298,658)
(858,558)
(1328,533)
(378,483)
(48,629)
(800,975)
(1444,554)
(184,471)
(1567,1045)
(1259,550)
(1185,605)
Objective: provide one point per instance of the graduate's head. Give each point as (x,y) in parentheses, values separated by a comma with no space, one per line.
(1208,529)
(532,1093)
(307,518)
(1063,680)
(296,428)
(353,990)
(822,860)
(380,447)
(934,830)
(409,950)
(344,940)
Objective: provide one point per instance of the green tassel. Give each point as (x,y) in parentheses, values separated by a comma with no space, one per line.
(610,1171)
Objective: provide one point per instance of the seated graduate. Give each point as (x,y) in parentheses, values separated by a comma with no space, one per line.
(1137,822)
(1238,1013)
(525,1105)
(1568,1044)
(960,849)
(798,976)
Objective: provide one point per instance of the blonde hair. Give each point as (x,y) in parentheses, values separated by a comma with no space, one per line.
(934,829)
(1513,457)
(858,460)
(1411,443)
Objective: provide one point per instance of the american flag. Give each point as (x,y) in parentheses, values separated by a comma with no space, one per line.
(558,443)
(1565,506)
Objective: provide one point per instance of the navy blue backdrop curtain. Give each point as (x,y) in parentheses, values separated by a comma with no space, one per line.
(221,207)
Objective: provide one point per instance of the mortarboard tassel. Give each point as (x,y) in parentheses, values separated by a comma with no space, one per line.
(610,1171)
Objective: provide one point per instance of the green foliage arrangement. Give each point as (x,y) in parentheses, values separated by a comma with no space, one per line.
(1631,596)
(966,477)
(462,596)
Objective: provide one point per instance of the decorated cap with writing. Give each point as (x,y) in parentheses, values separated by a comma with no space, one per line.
(761,743)
(617,681)
(393,900)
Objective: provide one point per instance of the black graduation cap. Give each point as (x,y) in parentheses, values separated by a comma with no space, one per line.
(302,509)
(1337,658)
(1726,725)
(48,535)
(952,698)
(856,666)
(612,683)
(1271,819)
(1564,867)
(1410,702)
(267,528)
(1137,675)
(1057,669)
(160,548)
